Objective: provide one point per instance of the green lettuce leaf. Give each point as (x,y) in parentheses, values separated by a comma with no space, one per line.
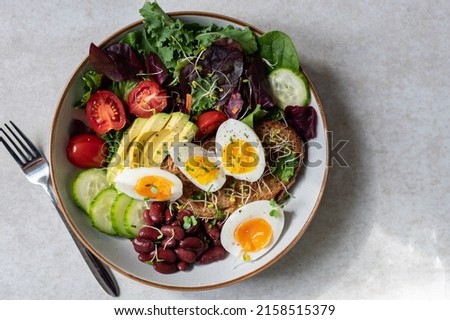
(245,37)
(285,167)
(165,36)
(92,82)
(122,89)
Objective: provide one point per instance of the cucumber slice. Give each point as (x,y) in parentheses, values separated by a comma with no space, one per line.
(87,185)
(100,210)
(289,88)
(118,210)
(134,216)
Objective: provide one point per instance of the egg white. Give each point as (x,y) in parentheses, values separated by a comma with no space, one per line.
(182,152)
(126,181)
(258,209)
(232,130)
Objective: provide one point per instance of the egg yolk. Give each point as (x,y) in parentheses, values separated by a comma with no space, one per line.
(253,235)
(201,169)
(240,157)
(154,187)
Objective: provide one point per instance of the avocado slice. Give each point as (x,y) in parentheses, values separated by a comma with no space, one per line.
(157,146)
(134,132)
(116,163)
(137,146)
(188,133)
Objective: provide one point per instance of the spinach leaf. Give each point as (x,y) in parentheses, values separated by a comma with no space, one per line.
(278,49)
(256,114)
(92,82)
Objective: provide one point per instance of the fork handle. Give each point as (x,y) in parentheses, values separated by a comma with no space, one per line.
(101,272)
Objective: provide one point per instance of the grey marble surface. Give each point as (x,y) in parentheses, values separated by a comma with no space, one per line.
(381,69)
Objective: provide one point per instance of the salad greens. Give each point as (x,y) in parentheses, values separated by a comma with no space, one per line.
(92,82)
(123,88)
(256,114)
(285,167)
(201,68)
(277,48)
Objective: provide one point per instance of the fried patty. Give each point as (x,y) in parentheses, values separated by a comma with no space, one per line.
(279,141)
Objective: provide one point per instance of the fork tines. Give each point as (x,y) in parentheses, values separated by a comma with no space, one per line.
(22,149)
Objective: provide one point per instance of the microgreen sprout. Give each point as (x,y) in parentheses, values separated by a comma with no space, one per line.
(189,221)
(274,212)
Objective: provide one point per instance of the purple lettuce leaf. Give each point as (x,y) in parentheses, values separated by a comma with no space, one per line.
(118,62)
(187,75)
(303,120)
(223,61)
(258,91)
(156,68)
(234,105)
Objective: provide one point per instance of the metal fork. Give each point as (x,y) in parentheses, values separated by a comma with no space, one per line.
(37,170)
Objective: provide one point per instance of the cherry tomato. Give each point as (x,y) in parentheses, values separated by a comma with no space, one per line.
(87,151)
(105,111)
(208,122)
(147,98)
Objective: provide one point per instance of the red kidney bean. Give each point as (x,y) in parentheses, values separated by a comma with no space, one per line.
(186,255)
(200,251)
(166,255)
(144,256)
(191,243)
(182,265)
(183,213)
(165,267)
(174,223)
(147,219)
(169,217)
(151,233)
(176,232)
(169,243)
(213,232)
(220,223)
(142,244)
(214,253)
(178,248)
(201,233)
(156,212)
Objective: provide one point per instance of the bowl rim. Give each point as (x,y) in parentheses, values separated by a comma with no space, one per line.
(73,77)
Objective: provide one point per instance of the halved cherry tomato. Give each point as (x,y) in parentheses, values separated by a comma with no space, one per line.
(208,122)
(87,151)
(147,98)
(105,111)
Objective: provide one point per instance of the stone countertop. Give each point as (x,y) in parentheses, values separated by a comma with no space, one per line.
(381,70)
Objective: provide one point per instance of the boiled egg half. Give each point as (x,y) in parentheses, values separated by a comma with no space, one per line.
(240,151)
(149,184)
(198,165)
(252,230)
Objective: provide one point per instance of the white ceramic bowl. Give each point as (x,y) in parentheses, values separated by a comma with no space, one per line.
(119,254)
